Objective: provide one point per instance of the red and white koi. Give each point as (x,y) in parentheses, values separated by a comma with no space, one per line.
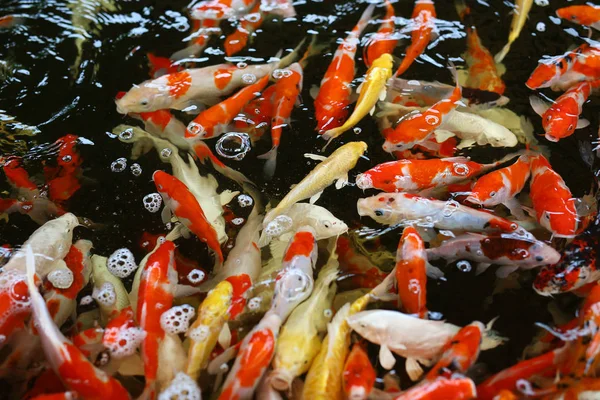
(411,274)
(383,41)
(359,374)
(455,388)
(423,25)
(256,115)
(250,22)
(220,9)
(586,15)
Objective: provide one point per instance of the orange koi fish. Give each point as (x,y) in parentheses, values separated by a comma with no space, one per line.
(155,295)
(8,21)
(160,66)
(250,22)
(331,103)
(411,277)
(121,335)
(186,208)
(215,120)
(75,371)
(441,388)
(460,353)
(552,200)
(587,15)
(359,374)
(561,118)
(287,89)
(416,127)
(501,186)
(383,41)
(256,115)
(17,176)
(551,69)
(63,180)
(423,24)
(360,270)
(202,31)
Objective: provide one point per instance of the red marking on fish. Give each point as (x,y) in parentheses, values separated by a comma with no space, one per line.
(411,277)
(302,244)
(179,83)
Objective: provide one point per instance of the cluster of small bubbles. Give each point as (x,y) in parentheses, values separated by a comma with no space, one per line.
(106,295)
(200,333)
(196,276)
(119,165)
(136,170)
(281,73)
(242,65)
(152,202)
(244,200)
(182,387)
(121,263)
(464,266)
(177,319)
(414,286)
(364,181)
(61,278)
(86,300)
(126,134)
(461,169)
(542,3)
(357,130)
(12,282)
(541,27)
(278,226)
(166,153)
(328,313)
(254,303)
(450,208)
(294,285)
(237,221)
(67,158)
(249,79)
(233,145)
(123,342)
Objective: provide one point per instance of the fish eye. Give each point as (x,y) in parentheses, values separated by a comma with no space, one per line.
(326,224)
(539,258)
(378,213)
(571,127)
(547,216)
(144,102)
(492,194)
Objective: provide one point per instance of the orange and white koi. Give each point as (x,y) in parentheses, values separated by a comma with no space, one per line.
(250,22)
(418,126)
(408,209)
(181,202)
(160,66)
(256,115)
(359,374)
(214,121)
(202,30)
(8,21)
(155,296)
(456,388)
(73,368)
(220,9)
(411,274)
(561,118)
(285,96)
(121,335)
(357,267)
(587,15)
(331,103)
(520,13)
(383,41)
(423,25)
(502,186)
(551,69)
(552,200)
(17,176)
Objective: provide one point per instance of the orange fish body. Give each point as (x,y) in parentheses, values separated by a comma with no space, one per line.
(17,176)
(551,69)
(383,41)
(441,388)
(185,206)
(237,40)
(359,375)
(423,18)
(483,72)
(257,115)
(359,269)
(411,278)
(587,15)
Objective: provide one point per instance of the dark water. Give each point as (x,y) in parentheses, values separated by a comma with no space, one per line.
(42,89)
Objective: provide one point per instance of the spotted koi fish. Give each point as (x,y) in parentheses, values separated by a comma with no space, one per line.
(586,15)
(249,23)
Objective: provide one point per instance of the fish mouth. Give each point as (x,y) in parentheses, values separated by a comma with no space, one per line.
(361,207)
(364,181)
(281,380)
(120,108)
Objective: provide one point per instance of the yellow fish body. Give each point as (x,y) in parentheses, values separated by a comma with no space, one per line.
(521,12)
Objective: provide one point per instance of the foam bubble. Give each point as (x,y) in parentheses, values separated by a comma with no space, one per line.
(12,283)
(152,202)
(196,276)
(119,165)
(106,295)
(182,387)
(61,278)
(278,226)
(364,181)
(237,221)
(200,333)
(177,319)
(122,342)
(121,263)
(244,200)
(136,170)
(86,300)
(254,303)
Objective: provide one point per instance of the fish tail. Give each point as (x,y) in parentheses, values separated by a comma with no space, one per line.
(290,58)
(271,164)
(502,53)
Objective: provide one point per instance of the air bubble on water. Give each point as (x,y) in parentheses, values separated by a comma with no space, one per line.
(152,202)
(177,319)
(464,266)
(447,233)
(86,300)
(542,3)
(244,200)
(136,170)
(61,278)
(450,208)
(328,313)
(200,333)
(278,74)
(237,221)
(196,276)
(541,27)
(233,145)
(119,165)
(294,285)
(525,387)
(280,225)
(414,286)
(166,153)
(357,130)
(182,387)
(242,65)
(67,158)
(123,341)
(254,303)
(126,134)
(249,79)
(461,169)
(121,263)
(105,295)
(555,20)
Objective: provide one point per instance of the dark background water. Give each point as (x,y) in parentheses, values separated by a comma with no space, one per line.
(42,91)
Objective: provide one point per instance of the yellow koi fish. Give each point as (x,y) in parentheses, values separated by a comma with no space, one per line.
(521,11)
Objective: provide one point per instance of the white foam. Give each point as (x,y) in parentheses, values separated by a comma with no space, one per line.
(61,278)
(17,303)
(196,276)
(278,226)
(182,387)
(121,263)
(244,200)
(177,319)
(152,202)
(86,300)
(106,295)
(122,342)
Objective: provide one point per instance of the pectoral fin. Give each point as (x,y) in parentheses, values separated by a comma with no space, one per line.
(386,358)
(539,106)
(465,143)
(506,270)
(225,336)
(226,196)
(315,157)
(582,123)
(314,91)
(515,208)
(341,182)
(413,369)
(315,197)
(441,135)
(166,215)
(433,272)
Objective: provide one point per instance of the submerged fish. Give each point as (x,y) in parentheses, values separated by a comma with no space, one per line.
(520,13)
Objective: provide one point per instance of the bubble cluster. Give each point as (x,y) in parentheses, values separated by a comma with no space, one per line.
(278,226)
(364,181)
(177,319)
(136,170)
(233,145)
(122,342)
(166,153)
(119,165)
(244,200)
(241,65)
(196,276)
(152,202)
(121,263)
(106,295)
(200,333)
(249,79)
(12,283)
(86,300)
(61,278)
(237,221)
(254,303)
(182,387)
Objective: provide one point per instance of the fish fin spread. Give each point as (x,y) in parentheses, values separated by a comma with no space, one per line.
(166,215)
(433,272)
(360,87)
(481,268)
(371,112)
(226,196)
(314,91)
(271,157)
(413,369)
(529,211)
(341,181)
(515,208)
(224,338)
(277,248)
(539,106)
(582,123)
(441,135)
(315,157)
(465,143)
(386,358)
(382,95)
(315,197)
(185,232)
(506,270)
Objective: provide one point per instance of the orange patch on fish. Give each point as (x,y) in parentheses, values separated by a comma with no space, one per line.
(302,245)
(222,77)
(179,83)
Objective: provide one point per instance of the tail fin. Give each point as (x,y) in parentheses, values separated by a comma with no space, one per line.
(364,20)
(271,157)
(203,152)
(312,50)
(290,58)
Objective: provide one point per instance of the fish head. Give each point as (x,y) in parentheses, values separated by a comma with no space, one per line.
(561,223)
(489,190)
(324,223)
(371,325)
(548,72)
(576,14)
(165,184)
(377,207)
(146,97)
(559,123)
(543,254)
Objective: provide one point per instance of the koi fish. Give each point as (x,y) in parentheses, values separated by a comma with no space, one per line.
(332,168)
(510,251)
(423,24)
(73,368)
(382,42)
(561,118)
(586,15)
(551,69)
(160,66)
(219,9)
(408,209)
(17,176)
(359,375)
(250,22)
(155,296)
(521,11)
(371,90)
(202,32)
(418,126)
(8,21)
(357,267)
(502,186)
(256,115)
(411,278)
(331,103)
(456,388)
(287,89)
(214,121)
(181,202)
(552,200)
